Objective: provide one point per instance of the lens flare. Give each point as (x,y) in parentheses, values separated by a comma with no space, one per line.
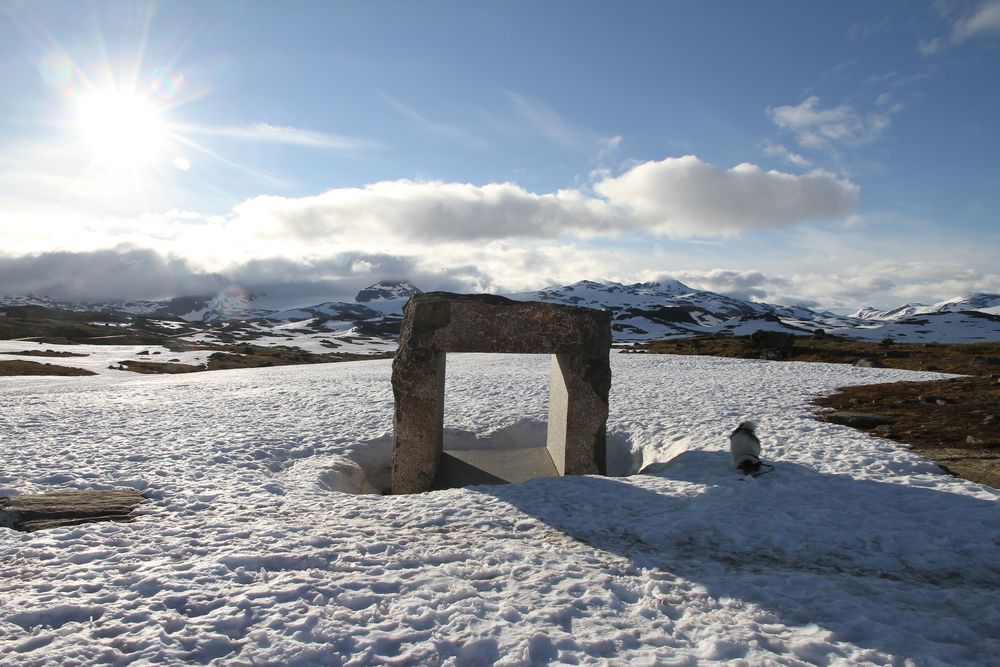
(166,83)
(56,71)
(233,301)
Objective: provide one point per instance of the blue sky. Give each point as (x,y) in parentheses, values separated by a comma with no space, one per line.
(829,154)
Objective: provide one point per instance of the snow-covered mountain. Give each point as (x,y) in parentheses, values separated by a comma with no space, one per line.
(980,302)
(650,311)
(640,312)
(387,291)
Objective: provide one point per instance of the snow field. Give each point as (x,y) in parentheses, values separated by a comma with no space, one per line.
(98,357)
(853,551)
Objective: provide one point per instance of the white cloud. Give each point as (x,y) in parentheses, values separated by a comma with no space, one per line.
(819,128)
(128,273)
(459,236)
(426,212)
(277,134)
(883,284)
(687,197)
(747,285)
(985,20)
(552,126)
(437,128)
(782,152)
(607,146)
(858,31)
(116,273)
(929,47)
(797,275)
(674,197)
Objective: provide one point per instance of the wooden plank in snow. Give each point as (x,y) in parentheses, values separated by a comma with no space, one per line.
(67,508)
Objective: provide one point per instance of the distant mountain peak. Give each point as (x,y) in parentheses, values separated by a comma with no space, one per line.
(980,301)
(667,286)
(387,290)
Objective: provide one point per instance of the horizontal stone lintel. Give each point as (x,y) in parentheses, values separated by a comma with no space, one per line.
(492,323)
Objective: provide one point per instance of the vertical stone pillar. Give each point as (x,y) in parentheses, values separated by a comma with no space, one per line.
(578,413)
(556,432)
(418,421)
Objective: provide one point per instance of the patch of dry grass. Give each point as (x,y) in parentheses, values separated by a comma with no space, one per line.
(961,358)
(46,353)
(18,367)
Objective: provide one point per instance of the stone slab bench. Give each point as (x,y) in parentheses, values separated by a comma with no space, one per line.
(67,508)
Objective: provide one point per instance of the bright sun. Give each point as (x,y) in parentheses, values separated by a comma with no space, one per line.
(123,129)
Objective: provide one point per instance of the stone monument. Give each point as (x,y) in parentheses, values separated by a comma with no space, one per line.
(435,323)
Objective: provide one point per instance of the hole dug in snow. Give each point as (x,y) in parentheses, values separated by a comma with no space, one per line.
(510,454)
(342,475)
(365,468)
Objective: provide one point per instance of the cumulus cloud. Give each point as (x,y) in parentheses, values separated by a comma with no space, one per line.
(459,236)
(427,212)
(885,284)
(882,284)
(746,285)
(819,128)
(127,273)
(685,196)
(118,273)
(674,197)
(278,282)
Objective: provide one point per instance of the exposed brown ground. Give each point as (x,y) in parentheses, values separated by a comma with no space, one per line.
(953,422)
(46,353)
(246,356)
(18,367)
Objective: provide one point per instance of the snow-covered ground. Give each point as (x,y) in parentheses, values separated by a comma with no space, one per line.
(97,358)
(853,551)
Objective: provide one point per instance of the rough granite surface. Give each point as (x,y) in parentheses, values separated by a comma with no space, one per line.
(436,323)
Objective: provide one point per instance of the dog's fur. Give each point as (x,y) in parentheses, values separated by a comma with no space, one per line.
(745,447)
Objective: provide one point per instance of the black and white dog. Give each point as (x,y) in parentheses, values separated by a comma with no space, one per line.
(745,448)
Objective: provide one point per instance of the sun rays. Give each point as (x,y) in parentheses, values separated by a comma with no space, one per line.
(116,112)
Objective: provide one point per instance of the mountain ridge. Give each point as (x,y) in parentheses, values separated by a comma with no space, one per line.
(983,302)
(640,312)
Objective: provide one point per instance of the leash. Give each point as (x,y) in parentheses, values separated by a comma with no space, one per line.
(761,468)
(762,471)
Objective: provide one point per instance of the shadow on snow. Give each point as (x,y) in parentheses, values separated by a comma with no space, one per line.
(877,564)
